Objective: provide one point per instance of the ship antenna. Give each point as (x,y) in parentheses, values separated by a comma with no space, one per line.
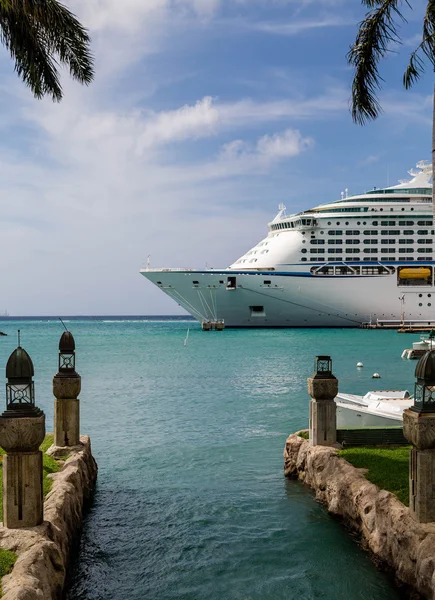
(63,323)
(19,338)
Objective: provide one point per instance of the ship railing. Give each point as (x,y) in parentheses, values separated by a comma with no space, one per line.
(168,270)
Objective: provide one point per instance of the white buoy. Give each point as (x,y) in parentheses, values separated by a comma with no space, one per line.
(376,376)
(359,365)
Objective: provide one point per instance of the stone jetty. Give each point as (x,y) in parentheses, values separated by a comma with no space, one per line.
(402,538)
(386,526)
(42,533)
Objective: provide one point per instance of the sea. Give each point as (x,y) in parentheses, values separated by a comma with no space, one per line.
(188,429)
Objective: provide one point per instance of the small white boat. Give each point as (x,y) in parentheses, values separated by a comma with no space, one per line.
(427,342)
(378,408)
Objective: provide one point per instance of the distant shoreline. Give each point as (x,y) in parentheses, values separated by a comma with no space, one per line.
(99,318)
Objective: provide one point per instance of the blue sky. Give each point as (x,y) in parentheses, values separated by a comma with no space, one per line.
(204,115)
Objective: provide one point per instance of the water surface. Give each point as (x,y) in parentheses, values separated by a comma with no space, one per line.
(191,501)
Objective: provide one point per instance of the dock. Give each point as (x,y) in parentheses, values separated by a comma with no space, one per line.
(402,326)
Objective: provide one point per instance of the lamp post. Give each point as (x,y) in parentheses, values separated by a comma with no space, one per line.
(66,388)
(323,387)
(22,430)
(419,429)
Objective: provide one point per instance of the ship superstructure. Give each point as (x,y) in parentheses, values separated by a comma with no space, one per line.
(361,258)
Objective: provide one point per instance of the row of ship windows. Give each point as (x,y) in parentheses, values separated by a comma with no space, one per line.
(371,241)
(367,250)
(370,259)
(374,232)
(290,225)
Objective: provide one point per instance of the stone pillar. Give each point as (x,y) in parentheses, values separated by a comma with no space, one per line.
(323,387)
(66,388)
(66,410)
(419,429)
(23,500)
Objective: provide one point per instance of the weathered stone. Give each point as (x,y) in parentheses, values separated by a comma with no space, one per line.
(23,434)
(22,489)
(66,422)
(419,429)
(323,422)
(323,389)
(386,525)
(66,387)
(44,551)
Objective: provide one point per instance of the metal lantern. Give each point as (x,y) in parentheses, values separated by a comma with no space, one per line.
(67,356)
(424,391)
(20,389)
(323,367)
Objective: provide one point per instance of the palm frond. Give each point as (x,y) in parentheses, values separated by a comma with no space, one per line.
(32,62)
(429,31)
(414,69)
(375,35)
(39,35)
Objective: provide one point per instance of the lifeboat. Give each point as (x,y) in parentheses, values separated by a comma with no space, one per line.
(415,273)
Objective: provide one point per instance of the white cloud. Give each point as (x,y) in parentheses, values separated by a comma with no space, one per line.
(199,120)
(296,27)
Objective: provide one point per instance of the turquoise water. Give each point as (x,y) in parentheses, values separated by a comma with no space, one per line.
(191,501)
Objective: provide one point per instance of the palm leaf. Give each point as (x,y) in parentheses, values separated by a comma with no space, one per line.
(375,35)
(39,35)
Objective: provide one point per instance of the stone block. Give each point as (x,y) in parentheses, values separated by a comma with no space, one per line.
(323,389)
(22,434)
(422,485)
(323,423)
(66,422)
(66,387)
(22,490)
(419,429)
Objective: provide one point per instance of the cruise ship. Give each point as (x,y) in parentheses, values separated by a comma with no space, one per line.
(367,258)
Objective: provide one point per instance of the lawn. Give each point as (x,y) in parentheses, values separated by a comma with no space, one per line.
(388,468)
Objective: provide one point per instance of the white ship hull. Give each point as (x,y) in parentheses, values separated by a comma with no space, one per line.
(364,258)
(294,299)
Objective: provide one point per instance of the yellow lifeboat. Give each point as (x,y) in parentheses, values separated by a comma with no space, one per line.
(415,273)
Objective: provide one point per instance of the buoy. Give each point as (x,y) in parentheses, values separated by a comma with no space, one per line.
(359,365)
(376,376)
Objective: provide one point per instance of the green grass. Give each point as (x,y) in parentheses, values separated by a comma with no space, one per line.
(388,468)
(304,434)
(7,561)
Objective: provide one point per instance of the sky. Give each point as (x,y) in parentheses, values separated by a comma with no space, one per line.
(203,116)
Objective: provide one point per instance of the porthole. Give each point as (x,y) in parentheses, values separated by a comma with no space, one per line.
(303,232)
(303,241)
(322,232)
(304,250)
(403,209)
(338,222)
(420,304)
(429,304)
(364,223)
(420,295)
(358,223)
(347,223)
(412,209)
(329,222)
(429,295)
(381,209)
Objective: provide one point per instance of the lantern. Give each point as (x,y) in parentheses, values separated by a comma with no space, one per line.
(424,391)
(67,356)
(20,389)
(323,367)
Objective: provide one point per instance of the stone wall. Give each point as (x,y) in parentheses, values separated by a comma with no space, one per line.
(384,523)
(44,551)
